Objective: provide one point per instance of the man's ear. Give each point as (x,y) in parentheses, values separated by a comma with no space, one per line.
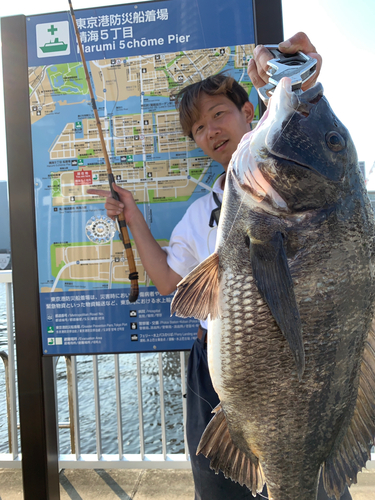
(248,110)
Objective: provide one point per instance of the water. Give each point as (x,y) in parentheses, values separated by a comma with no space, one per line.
(107,388)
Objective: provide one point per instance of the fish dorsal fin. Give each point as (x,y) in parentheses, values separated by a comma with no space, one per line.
(274,281)
(342,466)
(197,293)
(216,444)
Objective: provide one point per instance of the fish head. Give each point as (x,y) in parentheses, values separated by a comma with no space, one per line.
(298,157)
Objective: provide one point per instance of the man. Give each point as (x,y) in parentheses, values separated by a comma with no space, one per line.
(216,113)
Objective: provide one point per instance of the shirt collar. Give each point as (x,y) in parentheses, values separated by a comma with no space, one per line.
(217,186)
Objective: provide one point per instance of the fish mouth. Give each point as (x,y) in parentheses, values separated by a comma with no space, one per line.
(260,145)
(311,96)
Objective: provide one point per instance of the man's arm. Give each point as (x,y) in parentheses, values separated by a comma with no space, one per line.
(258,65)
(153,258)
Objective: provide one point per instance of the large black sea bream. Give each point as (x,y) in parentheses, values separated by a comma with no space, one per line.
(290,293)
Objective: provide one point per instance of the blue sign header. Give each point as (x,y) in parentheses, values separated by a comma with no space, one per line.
(139,29)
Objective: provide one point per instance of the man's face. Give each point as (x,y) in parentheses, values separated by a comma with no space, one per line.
(221,126)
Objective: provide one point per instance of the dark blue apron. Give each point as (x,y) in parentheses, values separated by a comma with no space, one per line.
(201,400)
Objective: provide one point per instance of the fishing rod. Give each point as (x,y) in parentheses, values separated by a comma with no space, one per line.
(124,235)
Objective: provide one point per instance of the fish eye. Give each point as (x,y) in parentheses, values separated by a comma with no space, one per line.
(335,141)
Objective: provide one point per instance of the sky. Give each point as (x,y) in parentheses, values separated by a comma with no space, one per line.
(342,32)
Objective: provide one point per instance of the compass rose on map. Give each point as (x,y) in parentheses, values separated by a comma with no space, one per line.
(100,229)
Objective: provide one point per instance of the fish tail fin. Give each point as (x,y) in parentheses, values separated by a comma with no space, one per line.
(197,293)
(341,468)
(217,445)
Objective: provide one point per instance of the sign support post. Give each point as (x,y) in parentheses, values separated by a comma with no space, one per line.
(37,409)
(268,24)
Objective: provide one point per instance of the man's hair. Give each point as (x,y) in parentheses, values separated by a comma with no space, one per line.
(187,99)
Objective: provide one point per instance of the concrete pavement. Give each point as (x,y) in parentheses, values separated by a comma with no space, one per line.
(131,484)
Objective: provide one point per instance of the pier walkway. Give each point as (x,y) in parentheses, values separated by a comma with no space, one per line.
(135,484)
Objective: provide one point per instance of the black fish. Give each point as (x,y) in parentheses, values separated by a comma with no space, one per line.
(290,294)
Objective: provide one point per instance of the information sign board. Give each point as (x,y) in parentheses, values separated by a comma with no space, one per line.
(138,55)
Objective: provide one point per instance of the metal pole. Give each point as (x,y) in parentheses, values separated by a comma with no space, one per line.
(162,407)
(77,431)
(12,370)
(268,26)
(37,407)
(183,393)
(119,410)
(98,425)
(69,380)
(140,407)
(4,357)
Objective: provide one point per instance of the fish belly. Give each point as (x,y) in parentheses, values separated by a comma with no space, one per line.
(225,333)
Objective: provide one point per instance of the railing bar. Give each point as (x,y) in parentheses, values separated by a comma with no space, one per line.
(5,360)
(162,408)
(183,392)
(6,277)
(130,461)
(97,408)
(77,433)
(140,407)
(119,409)
(12,372)
(69,383)
(55,361)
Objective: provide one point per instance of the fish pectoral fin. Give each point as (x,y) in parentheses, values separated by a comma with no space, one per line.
(274,281)
(342,466)
(216,444)
(197,293)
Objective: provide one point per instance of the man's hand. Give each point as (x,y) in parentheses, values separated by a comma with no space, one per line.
(153,258)
(258,65)
(113,207)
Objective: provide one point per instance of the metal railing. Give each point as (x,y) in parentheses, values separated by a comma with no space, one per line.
(11,459)
(77,459)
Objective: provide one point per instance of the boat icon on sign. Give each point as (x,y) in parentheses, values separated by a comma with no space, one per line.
(56,46)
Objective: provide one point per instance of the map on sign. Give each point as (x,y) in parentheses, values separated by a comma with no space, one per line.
(150,156)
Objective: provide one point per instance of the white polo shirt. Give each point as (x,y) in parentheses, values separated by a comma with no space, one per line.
(193,240)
